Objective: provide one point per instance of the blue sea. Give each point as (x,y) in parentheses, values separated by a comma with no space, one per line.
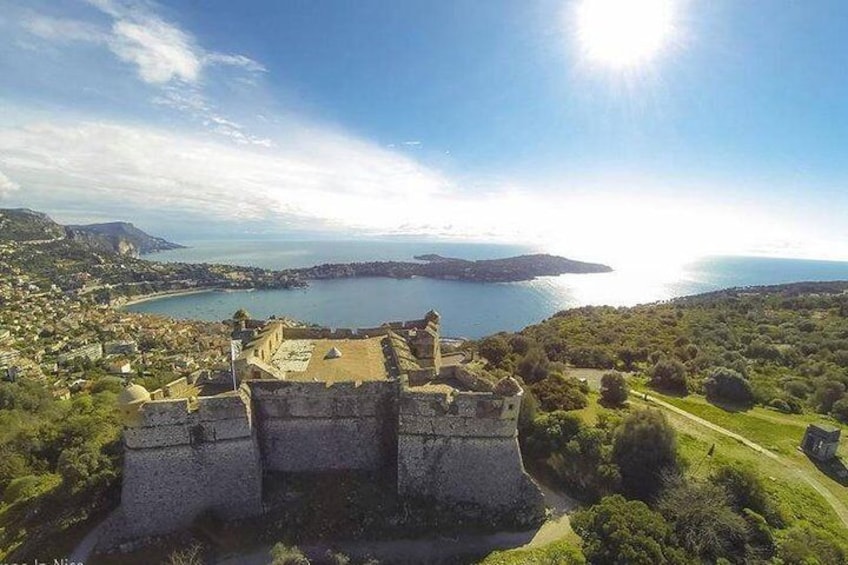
(468,309)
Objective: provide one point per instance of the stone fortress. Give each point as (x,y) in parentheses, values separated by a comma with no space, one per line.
(318,400)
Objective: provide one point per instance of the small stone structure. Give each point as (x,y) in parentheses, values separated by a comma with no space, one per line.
(821,441)
(385,403)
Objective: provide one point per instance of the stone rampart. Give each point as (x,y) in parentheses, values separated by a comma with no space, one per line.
(327,333)
(465,377)
(462,448)
(306,426)
(186,458)
(174,389)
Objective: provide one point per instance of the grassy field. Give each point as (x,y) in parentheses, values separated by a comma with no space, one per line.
(780,433)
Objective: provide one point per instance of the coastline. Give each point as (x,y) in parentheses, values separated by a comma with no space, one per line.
(124,302)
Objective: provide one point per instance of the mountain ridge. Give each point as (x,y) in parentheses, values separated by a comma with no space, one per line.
(124,238)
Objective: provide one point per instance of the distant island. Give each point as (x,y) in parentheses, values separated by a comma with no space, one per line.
(103,261)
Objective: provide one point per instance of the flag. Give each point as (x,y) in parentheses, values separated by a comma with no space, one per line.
(235,351)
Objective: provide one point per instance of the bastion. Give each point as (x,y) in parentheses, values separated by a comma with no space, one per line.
(311,400)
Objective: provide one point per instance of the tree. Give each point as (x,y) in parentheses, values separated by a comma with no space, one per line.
(614,389)
(628,357)
(703,519)
(495,349)
(533,367)
(559,553)
(282,554)
(746,490)
(806,544)
(336,558)
(618,531)
(669,375)
(528,412)
(827,394)
(559,393)
(645,449)
(840,410)
(727,384)
(551,432)
(520,344)
(80,464)
(192,555)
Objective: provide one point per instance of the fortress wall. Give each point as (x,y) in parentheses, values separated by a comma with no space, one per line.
(300,333)
(463,448)
(419,376)
(487,472)
(165,489)
(465,377)
(339,333)
(373,332)
(225,417)
(180,462)
(413,324)
(316,427)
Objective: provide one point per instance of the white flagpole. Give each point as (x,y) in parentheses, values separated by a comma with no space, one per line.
(233,346)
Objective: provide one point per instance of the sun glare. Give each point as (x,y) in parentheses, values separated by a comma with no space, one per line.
(624,34)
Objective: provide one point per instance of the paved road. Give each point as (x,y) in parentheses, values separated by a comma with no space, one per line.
(805,475)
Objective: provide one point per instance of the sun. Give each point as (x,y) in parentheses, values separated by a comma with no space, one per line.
(624,34)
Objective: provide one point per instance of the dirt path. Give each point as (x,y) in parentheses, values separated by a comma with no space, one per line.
(837,505)
(85,547)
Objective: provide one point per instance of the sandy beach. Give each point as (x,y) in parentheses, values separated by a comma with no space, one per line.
(123,302)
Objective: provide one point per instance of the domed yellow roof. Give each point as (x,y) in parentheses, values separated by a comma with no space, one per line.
(133,394)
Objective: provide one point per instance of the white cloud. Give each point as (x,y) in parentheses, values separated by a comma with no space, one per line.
(161,52)
(7,186)
(163,55)
(245,63)
(320,179)
(64,30)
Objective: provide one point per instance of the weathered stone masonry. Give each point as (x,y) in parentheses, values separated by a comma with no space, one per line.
(316,427)
(446,434)
(182,459)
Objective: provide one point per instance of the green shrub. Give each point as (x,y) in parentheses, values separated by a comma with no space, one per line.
(728,385)
(30,486)
(645,449)
(558,553)
(618,530)
(805,544)
(614,389)
(669,375)
(282,554)
(559,393)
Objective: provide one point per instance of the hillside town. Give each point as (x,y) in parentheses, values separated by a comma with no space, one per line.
(67,340)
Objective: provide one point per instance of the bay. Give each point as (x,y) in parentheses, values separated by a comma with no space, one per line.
(468,309)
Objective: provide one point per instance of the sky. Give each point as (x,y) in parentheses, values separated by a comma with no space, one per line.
(599,129)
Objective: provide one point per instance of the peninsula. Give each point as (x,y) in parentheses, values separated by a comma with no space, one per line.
(510,269)
(103,262)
